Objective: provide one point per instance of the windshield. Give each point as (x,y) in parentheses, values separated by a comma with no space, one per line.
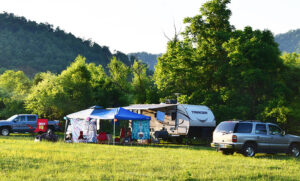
(12,118)
(225,127)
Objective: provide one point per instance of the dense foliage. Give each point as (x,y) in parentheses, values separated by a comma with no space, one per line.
(80,86)
(289,42)
(31,47)
(239,74)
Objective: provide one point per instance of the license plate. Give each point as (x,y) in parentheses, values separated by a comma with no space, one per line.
(222,146)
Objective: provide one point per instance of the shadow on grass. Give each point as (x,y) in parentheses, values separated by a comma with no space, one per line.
(173,146)
(28,136)
(274,156)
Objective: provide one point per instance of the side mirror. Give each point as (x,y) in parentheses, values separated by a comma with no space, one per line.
(283,133)
(15,120)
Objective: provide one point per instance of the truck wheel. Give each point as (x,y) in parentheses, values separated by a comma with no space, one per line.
(249,150)
(294,150)
(5,131)
(227,152)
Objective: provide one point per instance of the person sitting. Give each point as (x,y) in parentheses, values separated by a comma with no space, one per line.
(128,135)
(122,135)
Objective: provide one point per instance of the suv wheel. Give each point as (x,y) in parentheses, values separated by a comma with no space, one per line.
(227,152)
(249,150)
(5,131)
(294,150)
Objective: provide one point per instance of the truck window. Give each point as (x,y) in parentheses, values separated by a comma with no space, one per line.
(22,118)
(261,129)
(225,127)
(274,130)
(31,118)
(243,128)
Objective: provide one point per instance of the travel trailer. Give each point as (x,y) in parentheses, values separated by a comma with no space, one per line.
(177,120)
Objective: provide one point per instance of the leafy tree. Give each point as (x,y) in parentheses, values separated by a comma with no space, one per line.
(46,97)
(140,82)
(14,87)
(237,73)
(119,74)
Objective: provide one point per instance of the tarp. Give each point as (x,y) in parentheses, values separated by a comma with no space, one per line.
(120,114)
(88,127)
(140,130)
(84,114)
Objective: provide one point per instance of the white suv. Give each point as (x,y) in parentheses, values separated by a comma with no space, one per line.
(250,137)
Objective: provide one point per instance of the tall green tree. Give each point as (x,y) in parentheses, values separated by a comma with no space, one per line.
(14,87)
(140,82)
(237,73)
(46,97)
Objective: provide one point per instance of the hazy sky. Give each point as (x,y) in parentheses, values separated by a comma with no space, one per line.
(140,25)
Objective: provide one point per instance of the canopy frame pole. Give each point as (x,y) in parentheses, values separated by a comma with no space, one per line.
(66,126)
(114,133)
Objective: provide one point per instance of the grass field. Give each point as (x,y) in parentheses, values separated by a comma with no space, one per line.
(23,159)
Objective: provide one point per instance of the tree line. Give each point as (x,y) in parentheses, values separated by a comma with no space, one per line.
(79,86)
(239,74)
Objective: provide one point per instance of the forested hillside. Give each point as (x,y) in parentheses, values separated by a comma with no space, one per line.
(148,58)
(289,42)
(31,47)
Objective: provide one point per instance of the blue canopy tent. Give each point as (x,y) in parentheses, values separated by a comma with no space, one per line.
(122,114)
(97,112)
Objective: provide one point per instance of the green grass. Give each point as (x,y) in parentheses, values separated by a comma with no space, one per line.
(23,159)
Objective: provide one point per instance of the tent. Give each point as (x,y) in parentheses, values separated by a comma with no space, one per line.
(119,114)
(101,114)
(86,113)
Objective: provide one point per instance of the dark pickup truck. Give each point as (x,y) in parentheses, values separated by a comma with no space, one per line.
(23,123)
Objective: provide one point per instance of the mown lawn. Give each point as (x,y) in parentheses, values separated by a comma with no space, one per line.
(23,159)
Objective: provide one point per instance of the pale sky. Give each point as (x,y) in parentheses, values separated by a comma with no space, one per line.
(140,25)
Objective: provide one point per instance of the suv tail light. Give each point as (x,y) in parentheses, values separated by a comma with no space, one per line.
(59,123)
(234,138)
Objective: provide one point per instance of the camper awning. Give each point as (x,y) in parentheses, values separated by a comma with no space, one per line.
(120,114)
(148,106)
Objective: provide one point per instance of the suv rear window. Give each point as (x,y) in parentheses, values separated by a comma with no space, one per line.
(225,127)
(243,128)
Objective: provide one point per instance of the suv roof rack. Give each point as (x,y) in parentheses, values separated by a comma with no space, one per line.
(251,121)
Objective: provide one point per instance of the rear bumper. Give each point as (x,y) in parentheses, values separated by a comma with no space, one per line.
(220,146)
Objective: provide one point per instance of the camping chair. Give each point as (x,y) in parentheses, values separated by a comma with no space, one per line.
(102,137)
(41,126)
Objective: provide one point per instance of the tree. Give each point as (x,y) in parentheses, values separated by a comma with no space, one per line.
(14,87)
(237,73)
(197,66)
(76,85)
(140,82)
(46,97)
(119,74)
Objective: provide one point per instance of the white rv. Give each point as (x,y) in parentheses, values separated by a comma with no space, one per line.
(178,119)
